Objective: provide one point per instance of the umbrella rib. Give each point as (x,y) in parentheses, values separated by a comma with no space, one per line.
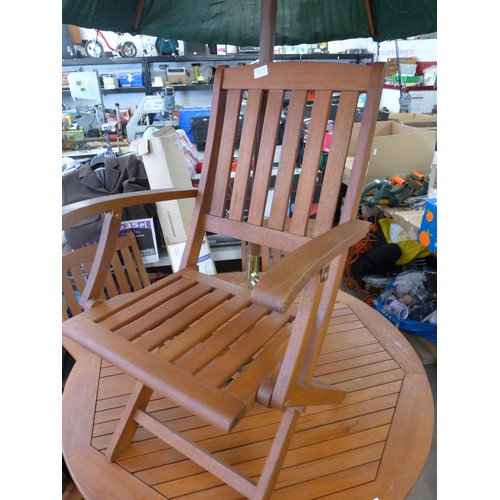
(138,14)
(369,11)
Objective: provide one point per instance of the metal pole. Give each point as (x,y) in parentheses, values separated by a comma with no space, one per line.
(266,52)
(267,30)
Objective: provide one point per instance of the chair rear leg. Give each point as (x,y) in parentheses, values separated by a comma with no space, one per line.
(127,426)
(279,448)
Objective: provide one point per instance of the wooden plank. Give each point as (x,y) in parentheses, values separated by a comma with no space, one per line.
(245,155)
(101,311)
(310,162)
(426,351)
(124,321)
(83,384)
(385,332)
(350,363)
(305,77)
(237,326)
(109,479)
(288,159)
(332,180)
(121,278)
(201,330)
(301,463)
(182,320)
(229,131)
(241,351)
(262,174)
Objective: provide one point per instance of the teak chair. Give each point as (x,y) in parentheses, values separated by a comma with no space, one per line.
(209,345)
(126,273)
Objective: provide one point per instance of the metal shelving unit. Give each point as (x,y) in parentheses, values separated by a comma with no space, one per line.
(144,64)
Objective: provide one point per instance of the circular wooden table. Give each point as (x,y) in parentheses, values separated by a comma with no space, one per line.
(373,445)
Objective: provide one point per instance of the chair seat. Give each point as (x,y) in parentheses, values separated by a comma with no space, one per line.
(193,333)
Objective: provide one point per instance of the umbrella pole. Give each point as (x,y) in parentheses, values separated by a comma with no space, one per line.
(267,30)
(266,52)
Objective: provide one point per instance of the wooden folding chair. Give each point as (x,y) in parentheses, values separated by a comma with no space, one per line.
(210,346)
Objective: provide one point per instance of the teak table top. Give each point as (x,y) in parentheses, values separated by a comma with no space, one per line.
(373,445)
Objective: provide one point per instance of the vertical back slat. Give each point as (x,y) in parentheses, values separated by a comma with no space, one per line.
(110,287)
(121,278)
(260,182)
(139,267)
(132,275)
(77,264)
(78,276)
(363,151)
(69,296)
(229,132)
(269,88)
(310,164)
(288,159)
(245,154)
(332,179)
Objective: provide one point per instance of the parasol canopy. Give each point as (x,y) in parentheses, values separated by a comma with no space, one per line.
(238,22)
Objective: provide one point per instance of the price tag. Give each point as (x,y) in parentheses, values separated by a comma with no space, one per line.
(260,71)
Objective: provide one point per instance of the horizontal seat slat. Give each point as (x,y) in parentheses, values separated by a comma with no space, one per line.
(182,320)
(219,409)
(101,311)
(243,350)
(200,330)
(154,313)
(140,302)
(221,339)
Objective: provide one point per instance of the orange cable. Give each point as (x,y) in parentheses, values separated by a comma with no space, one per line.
(361,247)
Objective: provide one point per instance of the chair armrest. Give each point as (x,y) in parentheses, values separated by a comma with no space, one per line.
(278,288)
(75,212)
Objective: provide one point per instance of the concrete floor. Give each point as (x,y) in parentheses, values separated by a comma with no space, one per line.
(426,486)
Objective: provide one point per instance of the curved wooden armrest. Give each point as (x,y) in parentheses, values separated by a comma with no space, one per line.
(75,212)
(278,288)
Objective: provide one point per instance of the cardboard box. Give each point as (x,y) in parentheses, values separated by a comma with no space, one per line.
(392,65)
(397,150)
(166,167)
(415,119)
(178,79)
(428,228)
(109,82)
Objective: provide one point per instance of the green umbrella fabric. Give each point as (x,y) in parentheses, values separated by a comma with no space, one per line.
(237,22)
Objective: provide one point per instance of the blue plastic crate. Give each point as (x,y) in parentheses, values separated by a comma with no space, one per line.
(185,115)
(130,79)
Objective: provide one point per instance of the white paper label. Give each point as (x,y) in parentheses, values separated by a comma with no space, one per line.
(260,71)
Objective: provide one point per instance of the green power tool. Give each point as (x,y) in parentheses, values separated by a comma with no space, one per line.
(422,183)
(384,192)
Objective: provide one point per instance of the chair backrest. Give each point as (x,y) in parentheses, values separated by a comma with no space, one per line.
(240,205)
(126,273)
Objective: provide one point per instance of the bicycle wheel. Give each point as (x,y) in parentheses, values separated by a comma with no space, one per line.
(93,48)
(127,49)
